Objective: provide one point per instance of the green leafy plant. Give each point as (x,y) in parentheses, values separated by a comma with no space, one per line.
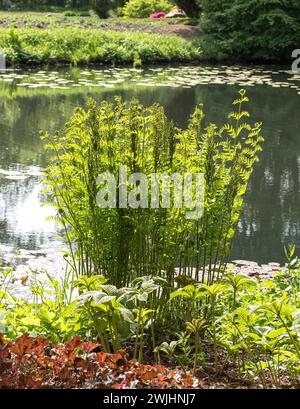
(238,282)
(110,318)
(49,312)
(144,293)
(196,327)
(120,314)
(192,294)
(289,278)
(286,313)
(179,350)
(6,276)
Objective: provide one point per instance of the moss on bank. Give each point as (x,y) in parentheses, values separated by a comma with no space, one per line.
(77,46)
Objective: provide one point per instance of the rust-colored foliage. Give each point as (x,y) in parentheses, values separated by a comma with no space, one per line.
(34,363)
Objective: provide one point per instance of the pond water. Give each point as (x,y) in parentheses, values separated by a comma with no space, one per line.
(40,100)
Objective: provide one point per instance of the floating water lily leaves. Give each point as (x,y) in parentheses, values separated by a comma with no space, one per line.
(184,76)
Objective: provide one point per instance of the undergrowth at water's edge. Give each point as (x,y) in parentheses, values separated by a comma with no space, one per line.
(236,331)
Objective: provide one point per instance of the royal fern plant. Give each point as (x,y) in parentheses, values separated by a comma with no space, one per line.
(124,243)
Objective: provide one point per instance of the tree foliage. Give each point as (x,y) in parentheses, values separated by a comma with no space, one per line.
(191,7)
(251,30)
(101,7)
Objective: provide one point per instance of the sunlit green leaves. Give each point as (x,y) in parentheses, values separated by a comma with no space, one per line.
(89,283)
(238,281)
(189,292)
(121,244)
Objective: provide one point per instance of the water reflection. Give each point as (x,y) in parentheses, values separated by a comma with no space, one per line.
(271,216)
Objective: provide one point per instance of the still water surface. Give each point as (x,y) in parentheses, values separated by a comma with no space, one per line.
(33,101)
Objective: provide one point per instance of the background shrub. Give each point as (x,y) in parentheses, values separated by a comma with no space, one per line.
(251,30)
(143,8)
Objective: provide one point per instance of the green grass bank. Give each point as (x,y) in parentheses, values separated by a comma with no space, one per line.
(26,46)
